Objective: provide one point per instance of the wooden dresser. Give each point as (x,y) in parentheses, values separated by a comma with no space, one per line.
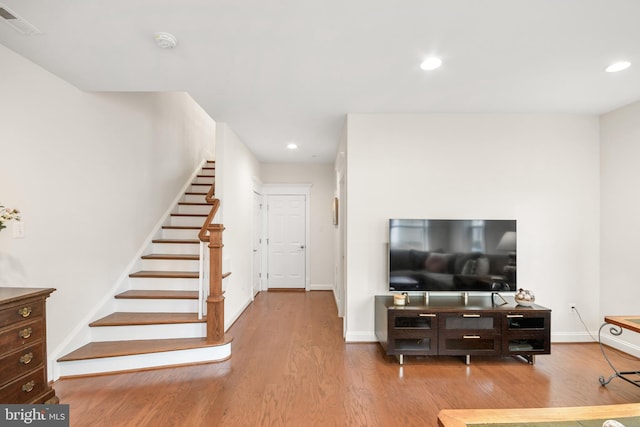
(23,346)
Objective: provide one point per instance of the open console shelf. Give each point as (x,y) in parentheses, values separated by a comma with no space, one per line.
(454,326)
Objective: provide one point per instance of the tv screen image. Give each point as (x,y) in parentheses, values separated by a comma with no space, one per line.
(452,255)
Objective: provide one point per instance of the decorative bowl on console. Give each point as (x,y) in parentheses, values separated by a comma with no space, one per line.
(525,297)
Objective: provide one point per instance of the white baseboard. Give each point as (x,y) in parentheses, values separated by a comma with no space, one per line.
(361,336)
(321,287)
(621,345)
(237,314)
(560,337)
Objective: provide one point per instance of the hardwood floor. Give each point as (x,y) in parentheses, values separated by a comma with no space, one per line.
(291,367)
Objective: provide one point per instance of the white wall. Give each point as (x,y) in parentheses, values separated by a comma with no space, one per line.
(92,174)
(321,177)
(620,214)
(236,171)
(542,170)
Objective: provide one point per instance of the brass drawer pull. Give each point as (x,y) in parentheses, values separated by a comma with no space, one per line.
(27,387)
(25,333)
(427,315)
(512,316)
(25,359)
(25,311)
(475,337)
(470,315)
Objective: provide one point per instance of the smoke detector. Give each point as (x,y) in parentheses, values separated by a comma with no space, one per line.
(16,22)
(165,40)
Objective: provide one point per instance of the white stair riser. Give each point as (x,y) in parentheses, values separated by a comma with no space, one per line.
(168,265)
(203,180)
(194,209)
(191,221)
(194,198)
(199,188)
(150,284)
(176,248)
(148,332)
(177,233)
(157,305)
(142,361)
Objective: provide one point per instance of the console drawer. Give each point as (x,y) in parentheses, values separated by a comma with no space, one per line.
(20,362)
(470,321)
(23,335)
(26,388)
(469,343)
(417,345)
(21,312)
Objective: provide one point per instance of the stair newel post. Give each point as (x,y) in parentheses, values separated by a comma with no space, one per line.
(215,301)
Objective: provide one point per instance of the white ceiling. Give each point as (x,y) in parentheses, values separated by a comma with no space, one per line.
(279,71)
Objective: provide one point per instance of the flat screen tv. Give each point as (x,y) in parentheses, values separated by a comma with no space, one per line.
(452,255)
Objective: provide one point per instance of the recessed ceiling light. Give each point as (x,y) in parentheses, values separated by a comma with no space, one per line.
(431,63)
(165,40)
(618,66)
(292,146)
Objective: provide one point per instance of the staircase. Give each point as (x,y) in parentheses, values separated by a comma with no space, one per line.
(157,323)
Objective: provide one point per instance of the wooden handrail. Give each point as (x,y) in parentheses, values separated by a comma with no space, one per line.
(212,233)
(210,198)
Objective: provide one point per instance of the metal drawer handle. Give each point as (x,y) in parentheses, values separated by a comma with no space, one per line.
(427,315)
(28,386)
(466,337)
(25,359)
(511,316)
(25,333)
(470,315)
(25,311)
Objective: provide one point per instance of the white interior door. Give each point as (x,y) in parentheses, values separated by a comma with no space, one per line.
(286,241)
(257,244)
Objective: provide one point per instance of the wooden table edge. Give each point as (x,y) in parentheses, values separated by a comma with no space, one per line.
(463,417)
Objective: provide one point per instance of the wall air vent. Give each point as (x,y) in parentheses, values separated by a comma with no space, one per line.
(16,22)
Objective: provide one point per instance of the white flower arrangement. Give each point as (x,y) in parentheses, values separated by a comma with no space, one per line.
(8,215)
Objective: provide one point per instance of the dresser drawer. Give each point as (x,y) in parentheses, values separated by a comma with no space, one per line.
(25,388)
(21,336)
(20,312)
(20,362)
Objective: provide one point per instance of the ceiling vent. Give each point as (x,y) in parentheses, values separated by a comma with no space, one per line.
(16,22)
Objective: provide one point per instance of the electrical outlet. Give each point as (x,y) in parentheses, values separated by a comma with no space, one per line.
(572,309)
(18,230)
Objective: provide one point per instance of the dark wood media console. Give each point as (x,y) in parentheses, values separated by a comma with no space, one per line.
(457,326)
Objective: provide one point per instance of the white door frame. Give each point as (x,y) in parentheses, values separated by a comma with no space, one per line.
(257,234)
(257,189)
(294,190)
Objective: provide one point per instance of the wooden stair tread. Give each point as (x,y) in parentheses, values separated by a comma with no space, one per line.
(182,257)
(180,227)
(121,318)
(157,294)
(205,176)
(166,274)
(97,350)
(181,214)
(195,193)
(193,203)
(180,241)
